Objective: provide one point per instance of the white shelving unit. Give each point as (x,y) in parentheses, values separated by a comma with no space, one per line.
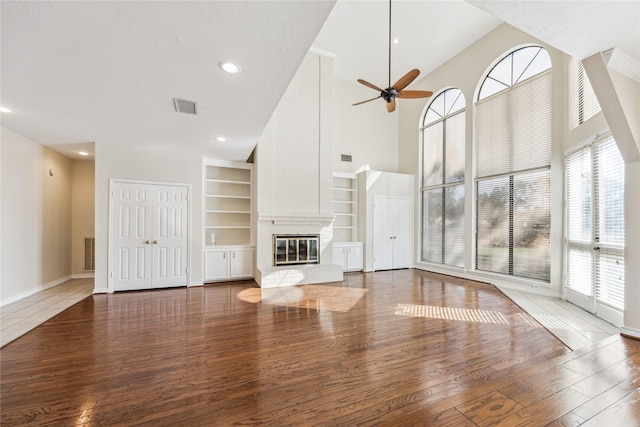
(347,252)
(228,250)
(345,198)
(227,204)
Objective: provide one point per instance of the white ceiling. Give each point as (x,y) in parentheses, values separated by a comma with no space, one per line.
(79,72)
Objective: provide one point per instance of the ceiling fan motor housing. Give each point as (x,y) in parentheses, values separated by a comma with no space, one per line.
(389,94)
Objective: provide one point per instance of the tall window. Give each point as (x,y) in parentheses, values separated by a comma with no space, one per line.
(583,103)
(595,228)
(443,141)
(513,156)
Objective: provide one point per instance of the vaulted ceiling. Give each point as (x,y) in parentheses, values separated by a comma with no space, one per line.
(107,72)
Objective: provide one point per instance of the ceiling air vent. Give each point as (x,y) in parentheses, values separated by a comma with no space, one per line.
(184,106)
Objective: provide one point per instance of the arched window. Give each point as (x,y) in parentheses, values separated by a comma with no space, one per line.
(513,157)
(442,188)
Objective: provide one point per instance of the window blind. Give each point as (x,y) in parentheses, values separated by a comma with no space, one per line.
(583,103)
(443,171)
(513,155)
(594,179)
(609,192)
(513,128)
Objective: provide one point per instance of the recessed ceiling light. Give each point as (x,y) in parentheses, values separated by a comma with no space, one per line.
(83,153)
(229,67)
(221,138)
(5,110)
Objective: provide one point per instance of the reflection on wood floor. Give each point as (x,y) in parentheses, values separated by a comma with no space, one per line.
(394,348)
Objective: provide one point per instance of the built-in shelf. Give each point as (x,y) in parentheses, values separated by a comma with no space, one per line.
(227,203)
(344,207)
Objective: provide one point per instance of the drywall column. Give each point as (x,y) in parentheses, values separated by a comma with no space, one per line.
(631,320)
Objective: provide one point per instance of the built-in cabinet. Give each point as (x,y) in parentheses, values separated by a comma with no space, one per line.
(228,263)
(228,252)
(348,255)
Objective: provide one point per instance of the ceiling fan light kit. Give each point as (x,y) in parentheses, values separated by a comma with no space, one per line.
(397,89)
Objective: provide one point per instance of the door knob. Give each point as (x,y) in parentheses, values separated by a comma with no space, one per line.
(596,248)
(155,242)
(147,242)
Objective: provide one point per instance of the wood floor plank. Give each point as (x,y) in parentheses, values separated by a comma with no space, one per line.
(413,348)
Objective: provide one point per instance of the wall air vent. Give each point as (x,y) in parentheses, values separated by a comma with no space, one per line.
(345,157)
(184,106)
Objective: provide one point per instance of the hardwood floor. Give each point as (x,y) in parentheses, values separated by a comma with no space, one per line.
(393,348)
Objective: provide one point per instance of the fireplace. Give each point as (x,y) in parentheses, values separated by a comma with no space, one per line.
(296,249)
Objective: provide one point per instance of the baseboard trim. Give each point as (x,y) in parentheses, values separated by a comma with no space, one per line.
(83,276)
(630,332)
(100,290)
(35,290)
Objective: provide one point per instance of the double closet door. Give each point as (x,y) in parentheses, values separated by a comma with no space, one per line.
(149,235)
(391,232)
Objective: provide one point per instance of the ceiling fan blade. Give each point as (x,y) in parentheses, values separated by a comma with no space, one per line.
(368,100)
(406,80)
(367,84)
(415,94)
(391,106)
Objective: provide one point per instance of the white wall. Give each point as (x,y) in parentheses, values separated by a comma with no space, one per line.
(367,132)
(114,161)
(35,217)
(82,211)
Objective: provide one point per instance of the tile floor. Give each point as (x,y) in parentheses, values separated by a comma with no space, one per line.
(18,318)
(572,325)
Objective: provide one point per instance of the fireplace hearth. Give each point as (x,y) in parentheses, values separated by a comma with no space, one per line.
(296,249)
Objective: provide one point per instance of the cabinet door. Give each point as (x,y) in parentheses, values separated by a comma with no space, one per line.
(354,258)
(216,265)
(339,256)
(241,263)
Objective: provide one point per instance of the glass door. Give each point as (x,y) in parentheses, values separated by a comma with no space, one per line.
(594,239)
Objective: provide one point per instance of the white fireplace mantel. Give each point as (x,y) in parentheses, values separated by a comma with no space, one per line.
(295,218)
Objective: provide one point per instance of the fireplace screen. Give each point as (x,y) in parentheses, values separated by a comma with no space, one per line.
(291,249)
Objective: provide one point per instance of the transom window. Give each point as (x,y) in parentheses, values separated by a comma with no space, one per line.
(515,68)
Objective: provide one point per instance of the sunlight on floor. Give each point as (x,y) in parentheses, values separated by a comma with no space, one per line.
(317,297)
(451,313)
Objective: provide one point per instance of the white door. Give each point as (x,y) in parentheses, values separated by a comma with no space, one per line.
(216,264)
(594,271)
(169,245)
(149,236)
(391,232)
(132,213)
(401,225)
(382,233)
(354,257)
(241,263)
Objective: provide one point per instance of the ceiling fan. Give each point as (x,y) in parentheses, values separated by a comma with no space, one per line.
(397,89)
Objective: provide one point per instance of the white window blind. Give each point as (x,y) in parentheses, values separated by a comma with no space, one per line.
(513,155)
(583,103)
(513,128)
(443,171)
(610,224)
(595,223)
